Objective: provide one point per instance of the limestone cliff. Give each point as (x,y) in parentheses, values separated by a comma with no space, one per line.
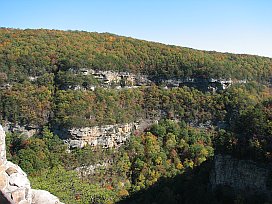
(241,175)
(14,184)
(113,79)
(106,136)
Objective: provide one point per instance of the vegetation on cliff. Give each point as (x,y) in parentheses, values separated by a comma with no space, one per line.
(37,67)
(38,76)
(169,149)
(25,53)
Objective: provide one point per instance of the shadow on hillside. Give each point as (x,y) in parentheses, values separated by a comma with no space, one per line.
(191,187)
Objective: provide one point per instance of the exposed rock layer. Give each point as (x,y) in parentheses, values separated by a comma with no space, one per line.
(25,130)
(106,136)
(115,79)
(241,175)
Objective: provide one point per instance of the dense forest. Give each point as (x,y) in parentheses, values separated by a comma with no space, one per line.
(170,162)
(25,53)
(167,162)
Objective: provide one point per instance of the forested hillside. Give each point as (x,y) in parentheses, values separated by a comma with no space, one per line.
(25,53)
(35,65)
(51,81)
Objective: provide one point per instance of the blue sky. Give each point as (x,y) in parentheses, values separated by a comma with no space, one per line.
(239,26)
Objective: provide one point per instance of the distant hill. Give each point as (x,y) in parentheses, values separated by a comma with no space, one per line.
(29,52)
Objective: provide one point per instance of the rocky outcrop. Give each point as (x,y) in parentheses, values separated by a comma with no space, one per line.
(126,79)
(2,146)
(26,130)
(117,80)
(106,136)
(14,184)
(84,171)
(43,197)
(241,175)
(109,78)
(201,83)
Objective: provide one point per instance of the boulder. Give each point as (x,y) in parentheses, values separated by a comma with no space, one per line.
(42,197)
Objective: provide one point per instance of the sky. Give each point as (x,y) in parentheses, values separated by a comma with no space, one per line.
(237,26)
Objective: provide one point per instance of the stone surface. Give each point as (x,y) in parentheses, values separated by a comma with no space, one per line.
(3,181)
(10,189)
(2,168)
(110,79)
(124,79)
(44,197)
(84,171)
(18,195)
(241,174)
(2,146)
(11,170)
(9,164)
(27,131)
(19,180)
(106,136)
(23,202)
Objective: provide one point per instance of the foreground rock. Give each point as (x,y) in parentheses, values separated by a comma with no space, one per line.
(14,184)
(41,196)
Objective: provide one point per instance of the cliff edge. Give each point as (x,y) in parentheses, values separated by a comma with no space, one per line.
(14,185)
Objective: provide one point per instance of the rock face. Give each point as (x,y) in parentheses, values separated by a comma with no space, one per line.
(244,175)
(41,196)
(14,184)
(113,79)
(27,131)
(106,136)
(2,146)
(109,78)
